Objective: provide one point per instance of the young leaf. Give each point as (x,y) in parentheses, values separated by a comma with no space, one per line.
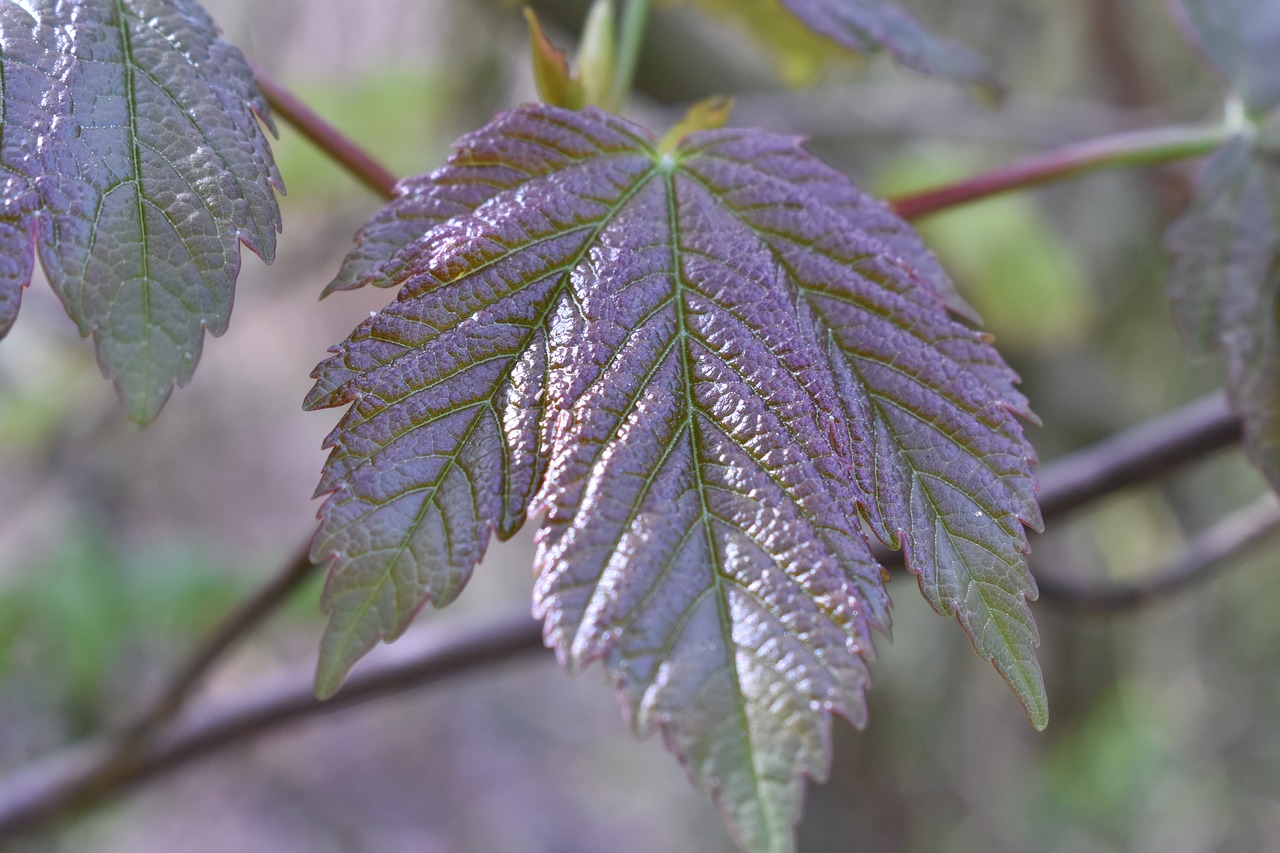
(134,163)
(863,27)
(704,364)
(556,83)
(1225,283)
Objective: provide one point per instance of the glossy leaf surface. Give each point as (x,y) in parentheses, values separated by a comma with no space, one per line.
(705,366)
(133,162)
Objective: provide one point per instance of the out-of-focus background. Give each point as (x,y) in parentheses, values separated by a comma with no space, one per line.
(118,547)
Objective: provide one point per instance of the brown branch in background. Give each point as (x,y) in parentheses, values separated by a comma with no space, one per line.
(75,780)
(326,137)
(80,778)
(1138,455)
(1205,557)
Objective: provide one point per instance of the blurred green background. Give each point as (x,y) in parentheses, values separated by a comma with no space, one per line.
(119,547)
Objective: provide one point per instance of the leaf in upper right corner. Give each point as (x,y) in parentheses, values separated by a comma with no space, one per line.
(857,26)
(1225,274)
(1241,38)
(1225,282)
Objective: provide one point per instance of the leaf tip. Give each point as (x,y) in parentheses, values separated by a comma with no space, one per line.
(329,678)
(339,650)
(1037,709)
(141,405)
(1026,681)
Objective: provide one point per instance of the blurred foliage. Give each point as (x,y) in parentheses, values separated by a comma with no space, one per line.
(39,393)
(394,112)
(87,617)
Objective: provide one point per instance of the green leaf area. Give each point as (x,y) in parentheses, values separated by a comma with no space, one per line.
(708,368)
(131,159)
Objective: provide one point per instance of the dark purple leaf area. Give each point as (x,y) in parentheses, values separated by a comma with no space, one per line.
(1225,283)
(1225,273)
(1241,38)
(132,161)
(868,26)
(708,368)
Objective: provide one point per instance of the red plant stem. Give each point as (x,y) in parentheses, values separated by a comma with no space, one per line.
(326,137)
(1139,148)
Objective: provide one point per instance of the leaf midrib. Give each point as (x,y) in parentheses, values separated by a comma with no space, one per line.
(717,571)
(135,158)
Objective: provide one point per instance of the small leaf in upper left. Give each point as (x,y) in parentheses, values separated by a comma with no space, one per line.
(132,160)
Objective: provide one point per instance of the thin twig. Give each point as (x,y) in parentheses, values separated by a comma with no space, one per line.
(1137,148)
(1205,557)
(1138,455)
(326,137)
(76,780)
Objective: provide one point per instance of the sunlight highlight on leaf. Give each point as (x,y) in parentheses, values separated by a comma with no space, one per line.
(705,366)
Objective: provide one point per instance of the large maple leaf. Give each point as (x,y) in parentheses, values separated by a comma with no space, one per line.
(706,365)
(1225,275)
(131,158)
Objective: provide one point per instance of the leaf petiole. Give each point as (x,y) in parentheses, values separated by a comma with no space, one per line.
(346,153)
(1137,148)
